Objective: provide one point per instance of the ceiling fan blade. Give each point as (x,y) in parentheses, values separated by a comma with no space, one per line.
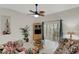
(31,11)
(41,11)
(30,14)
(41,14)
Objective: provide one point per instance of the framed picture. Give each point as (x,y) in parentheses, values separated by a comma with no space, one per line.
(5,25)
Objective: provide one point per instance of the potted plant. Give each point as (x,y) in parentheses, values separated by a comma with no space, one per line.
(25,33)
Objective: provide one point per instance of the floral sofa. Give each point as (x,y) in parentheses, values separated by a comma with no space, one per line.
(16,48)
(68,46)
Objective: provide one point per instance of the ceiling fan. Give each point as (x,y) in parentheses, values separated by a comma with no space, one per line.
(37,13)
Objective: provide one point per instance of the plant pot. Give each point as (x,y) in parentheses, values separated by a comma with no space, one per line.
(26,39)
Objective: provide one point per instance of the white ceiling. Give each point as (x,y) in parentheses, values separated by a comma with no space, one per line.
(48,8)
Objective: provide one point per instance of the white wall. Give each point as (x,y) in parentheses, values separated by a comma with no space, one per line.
(70,20)
(18,20)
(70,23)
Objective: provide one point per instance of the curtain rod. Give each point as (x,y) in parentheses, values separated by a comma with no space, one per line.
(53,20)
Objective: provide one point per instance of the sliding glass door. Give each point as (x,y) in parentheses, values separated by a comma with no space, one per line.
(52,30)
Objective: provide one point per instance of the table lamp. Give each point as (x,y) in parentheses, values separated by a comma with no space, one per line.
(71,33)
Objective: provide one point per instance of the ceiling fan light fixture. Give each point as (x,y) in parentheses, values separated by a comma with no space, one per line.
(36,16)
